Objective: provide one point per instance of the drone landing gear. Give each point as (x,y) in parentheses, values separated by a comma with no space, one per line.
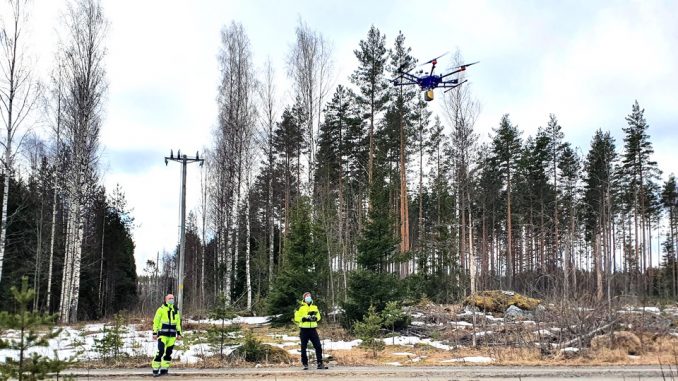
(428,95)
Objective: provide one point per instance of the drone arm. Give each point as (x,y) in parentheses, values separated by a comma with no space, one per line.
(452,72)
(455,86)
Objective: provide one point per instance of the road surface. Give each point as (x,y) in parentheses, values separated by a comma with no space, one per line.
(390,373)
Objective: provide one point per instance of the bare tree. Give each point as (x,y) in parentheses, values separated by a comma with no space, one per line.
(54,105)
(309,64)
(462,111)
(84,89)
(237,116)
(19,93)
(269,115)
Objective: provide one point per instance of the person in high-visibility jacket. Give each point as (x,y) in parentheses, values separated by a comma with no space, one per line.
(307,317)
(166,330)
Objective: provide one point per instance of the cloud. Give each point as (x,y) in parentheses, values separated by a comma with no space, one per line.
(584,61)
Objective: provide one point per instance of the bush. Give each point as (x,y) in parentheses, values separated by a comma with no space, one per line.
(253,350)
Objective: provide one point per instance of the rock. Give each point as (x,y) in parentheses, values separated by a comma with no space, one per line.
(515,313)
(622,340)
(499,301)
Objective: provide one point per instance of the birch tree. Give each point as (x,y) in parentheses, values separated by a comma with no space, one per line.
(462,111)
(84,89)
(19,92)
(236,124)
(268,117)
(309,65)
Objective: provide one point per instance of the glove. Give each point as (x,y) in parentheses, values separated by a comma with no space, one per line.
(313,318)
(305,319)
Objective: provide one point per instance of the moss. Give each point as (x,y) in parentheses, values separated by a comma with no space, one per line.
(499,301)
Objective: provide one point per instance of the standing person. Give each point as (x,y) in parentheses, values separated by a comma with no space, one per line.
(166,329)
(307,317)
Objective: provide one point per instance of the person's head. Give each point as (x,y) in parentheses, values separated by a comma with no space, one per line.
(169,299)
(307,297)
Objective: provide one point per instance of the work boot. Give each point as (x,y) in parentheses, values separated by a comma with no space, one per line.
(156,372)
(321,366)
(164,372)
(305,367)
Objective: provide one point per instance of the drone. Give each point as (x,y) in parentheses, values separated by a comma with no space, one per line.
(430,81)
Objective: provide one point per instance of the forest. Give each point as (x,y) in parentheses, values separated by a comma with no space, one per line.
(358,191)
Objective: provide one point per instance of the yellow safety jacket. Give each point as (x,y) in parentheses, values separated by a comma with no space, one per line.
(167,321)
(306,311)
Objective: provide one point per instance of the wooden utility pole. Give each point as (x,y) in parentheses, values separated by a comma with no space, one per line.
(184,160)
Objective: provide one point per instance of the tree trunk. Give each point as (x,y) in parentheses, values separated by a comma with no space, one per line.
(247,247)
(509,256)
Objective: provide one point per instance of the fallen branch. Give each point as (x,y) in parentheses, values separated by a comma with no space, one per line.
(586,336)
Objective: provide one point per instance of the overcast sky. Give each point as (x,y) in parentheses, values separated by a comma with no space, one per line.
(585,61)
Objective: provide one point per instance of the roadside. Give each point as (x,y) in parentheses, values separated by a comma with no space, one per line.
(557,373)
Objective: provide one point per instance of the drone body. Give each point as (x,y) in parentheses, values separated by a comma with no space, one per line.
(430,81)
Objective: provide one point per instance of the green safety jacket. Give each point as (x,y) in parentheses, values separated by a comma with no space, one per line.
(167,321)
(307,315)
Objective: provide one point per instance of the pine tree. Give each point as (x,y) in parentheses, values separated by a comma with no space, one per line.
(640,172)
(555,149)
(570,167)
(670,202)
(597,196)
(289,145)
(370,79)
(29,326)
(506,147)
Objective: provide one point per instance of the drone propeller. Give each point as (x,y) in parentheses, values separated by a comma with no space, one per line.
(435,60)
(457,69)
(464,66)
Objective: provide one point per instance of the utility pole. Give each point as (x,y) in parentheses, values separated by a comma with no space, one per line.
(184,160)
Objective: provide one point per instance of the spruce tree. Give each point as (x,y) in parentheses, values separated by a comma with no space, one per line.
(368,330)
(371,284)
(34,330)
(304,265)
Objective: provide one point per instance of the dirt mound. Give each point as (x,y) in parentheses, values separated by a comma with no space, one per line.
(618,340)
(499,301)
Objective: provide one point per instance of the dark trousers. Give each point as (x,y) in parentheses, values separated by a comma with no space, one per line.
(306,334)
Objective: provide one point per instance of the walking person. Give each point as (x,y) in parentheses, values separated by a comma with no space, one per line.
(166,330)
(307,317)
